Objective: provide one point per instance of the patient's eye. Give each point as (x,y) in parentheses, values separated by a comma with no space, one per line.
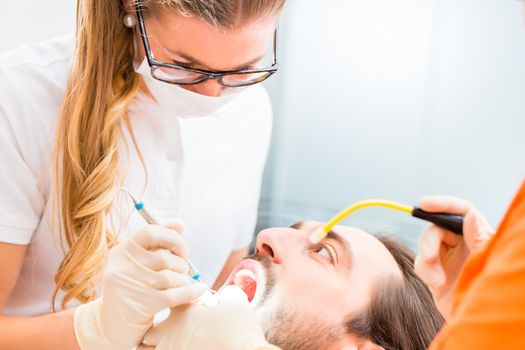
(325,252)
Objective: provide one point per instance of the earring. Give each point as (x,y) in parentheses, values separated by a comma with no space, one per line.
(129,21)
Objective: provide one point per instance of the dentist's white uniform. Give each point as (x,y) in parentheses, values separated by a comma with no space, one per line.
(205,169)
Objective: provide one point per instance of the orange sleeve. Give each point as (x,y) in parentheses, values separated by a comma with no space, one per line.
(489,300)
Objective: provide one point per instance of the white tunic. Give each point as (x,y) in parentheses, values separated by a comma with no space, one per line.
(205,170)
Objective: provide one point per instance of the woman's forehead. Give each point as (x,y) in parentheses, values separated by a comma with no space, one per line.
(220,50)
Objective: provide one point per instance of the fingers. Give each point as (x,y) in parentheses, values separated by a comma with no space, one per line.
(155,237)
(432,241)
(145,347)
(161,259)
(432,276)
(154,336)
(477,231)
(167,279)
(164,259)
(433,245)
(175,224)
(446,204)
(183,295)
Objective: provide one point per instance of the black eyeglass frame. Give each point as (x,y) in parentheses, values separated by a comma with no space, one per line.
(206,74)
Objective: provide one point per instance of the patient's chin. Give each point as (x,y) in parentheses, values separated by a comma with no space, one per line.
(294,329)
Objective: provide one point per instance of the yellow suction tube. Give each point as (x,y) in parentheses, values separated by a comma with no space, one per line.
(451,222)
(319,234)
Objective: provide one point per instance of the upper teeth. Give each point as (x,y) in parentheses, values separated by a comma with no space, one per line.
(247,273)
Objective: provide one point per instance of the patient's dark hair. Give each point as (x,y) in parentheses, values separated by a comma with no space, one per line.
(402,314)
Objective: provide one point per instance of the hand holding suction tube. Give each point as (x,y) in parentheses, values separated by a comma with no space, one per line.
(451,222)
(442,254)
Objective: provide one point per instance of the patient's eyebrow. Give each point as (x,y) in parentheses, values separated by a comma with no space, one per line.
(331,235)
(339,239)
(297,225)
(344,245)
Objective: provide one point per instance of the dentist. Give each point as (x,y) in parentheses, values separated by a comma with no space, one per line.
(159,97)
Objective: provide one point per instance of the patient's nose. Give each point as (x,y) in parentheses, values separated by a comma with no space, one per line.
(274,243)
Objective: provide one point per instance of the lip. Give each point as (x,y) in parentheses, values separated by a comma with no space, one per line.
(256,269)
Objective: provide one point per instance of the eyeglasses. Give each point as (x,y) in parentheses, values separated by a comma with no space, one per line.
(175,74)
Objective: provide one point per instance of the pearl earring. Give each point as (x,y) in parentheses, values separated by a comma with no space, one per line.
(129,21)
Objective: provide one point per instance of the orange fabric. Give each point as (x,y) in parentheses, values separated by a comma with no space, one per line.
(489,300)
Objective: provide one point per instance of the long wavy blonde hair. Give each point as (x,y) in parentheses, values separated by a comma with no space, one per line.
(101,85)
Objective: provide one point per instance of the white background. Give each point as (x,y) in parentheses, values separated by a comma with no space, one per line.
(24,21)
(376,98)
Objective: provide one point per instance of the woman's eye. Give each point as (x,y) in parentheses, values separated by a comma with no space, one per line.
(325,253)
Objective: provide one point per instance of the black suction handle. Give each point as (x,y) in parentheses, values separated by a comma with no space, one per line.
(453,223)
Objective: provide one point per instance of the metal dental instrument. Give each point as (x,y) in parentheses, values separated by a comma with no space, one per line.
(453,223)
(139,205)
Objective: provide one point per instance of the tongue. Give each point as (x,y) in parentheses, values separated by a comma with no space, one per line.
(247,284)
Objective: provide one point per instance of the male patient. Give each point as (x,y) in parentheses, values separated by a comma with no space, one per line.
(350,291)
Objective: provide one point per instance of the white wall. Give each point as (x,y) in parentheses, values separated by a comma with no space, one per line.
(396,99)
(26,21)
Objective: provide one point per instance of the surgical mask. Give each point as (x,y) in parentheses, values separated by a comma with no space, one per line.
(184,103)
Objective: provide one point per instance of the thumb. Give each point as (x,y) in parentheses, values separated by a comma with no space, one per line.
(145,347)
(175,224)
(154,336)
(477,230)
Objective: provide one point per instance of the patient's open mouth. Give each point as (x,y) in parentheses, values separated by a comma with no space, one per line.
(246,280)
(247,275)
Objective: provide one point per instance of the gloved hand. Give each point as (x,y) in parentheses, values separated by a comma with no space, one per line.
(143,275)
(224,321)
(442,253)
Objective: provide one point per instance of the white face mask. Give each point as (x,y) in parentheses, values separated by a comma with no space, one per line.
(183,102)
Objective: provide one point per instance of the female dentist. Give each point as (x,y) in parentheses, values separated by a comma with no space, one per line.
(151,96)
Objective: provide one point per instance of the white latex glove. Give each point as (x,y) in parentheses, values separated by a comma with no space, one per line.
(224,321)
(442,253)
(143,275)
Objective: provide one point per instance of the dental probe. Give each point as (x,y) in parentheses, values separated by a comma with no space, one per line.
(139,205)
(453,223)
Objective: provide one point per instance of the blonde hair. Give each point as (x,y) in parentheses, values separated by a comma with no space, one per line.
(101,84)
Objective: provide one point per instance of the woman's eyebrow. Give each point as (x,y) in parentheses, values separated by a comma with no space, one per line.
(197,62)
